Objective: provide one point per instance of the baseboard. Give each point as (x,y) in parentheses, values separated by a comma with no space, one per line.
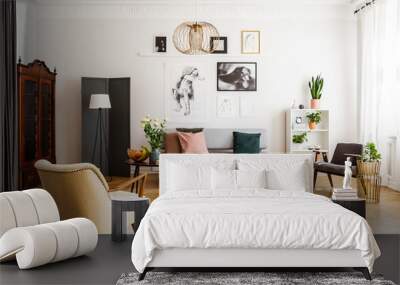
(394,185)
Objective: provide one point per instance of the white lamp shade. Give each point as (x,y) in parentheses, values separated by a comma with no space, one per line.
(99,101)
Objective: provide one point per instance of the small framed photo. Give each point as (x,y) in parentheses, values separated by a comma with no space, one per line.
(236,76)
(160,44)
(219,44)
(250,42)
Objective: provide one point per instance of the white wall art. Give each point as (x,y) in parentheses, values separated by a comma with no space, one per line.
(249,106)
(185,94)
(227,106)
(250,42)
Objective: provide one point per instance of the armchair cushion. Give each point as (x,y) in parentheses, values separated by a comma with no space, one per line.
(341,151)
(332,168)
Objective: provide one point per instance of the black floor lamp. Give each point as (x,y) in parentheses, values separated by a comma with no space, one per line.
(100,102)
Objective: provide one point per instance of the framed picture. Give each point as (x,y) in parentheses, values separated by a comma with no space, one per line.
(227,106)
(236,76)
(219,44)
(186,92)
(160,44)
(250,42)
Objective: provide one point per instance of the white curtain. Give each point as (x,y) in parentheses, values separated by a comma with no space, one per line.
(379,97)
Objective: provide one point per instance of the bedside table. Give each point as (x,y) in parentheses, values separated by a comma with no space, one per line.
(355,205)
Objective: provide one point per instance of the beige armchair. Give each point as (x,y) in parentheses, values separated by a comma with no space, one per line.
(80,190)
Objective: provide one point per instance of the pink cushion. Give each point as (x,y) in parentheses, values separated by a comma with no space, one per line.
(193,142)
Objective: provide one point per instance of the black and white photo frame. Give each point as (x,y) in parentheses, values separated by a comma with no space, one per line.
(219,44)
(236,76)
(160,44)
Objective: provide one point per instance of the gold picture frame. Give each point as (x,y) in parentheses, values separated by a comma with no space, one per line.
(250,41)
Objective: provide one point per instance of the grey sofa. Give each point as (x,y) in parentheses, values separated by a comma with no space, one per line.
(221,140)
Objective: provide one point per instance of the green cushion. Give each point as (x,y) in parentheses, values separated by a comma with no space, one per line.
(246,143)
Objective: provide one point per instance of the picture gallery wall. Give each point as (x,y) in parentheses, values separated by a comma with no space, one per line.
(186,94)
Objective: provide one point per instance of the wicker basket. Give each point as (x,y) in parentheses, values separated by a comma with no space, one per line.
(369,180)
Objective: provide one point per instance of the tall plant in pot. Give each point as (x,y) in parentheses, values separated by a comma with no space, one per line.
(315,86)
(154,133)
(313,119)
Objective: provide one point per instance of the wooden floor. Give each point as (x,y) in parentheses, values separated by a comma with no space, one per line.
(383,217)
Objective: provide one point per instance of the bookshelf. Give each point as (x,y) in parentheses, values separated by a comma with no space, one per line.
(297,124)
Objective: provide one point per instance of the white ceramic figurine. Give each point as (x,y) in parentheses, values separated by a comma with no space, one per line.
(347,174)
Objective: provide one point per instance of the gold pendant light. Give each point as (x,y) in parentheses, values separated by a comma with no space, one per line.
(194,37)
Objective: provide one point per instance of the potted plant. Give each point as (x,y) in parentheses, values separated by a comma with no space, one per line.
(300,138)
(369,162)
(154,133)
(368,169)
(315,86)
(313,119)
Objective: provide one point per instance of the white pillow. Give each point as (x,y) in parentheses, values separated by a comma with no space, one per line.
(295,179)
(251,178)
(223,179)
(188,177)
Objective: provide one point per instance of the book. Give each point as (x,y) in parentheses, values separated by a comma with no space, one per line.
(345,198)
(345,194)
(341,190)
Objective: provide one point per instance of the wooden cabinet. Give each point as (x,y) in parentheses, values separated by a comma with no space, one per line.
(36,95)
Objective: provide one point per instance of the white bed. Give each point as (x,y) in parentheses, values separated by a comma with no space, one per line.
(227,217)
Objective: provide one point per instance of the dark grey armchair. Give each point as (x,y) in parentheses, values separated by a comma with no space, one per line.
(336,166)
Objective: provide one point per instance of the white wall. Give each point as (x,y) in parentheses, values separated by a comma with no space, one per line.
(103,38)
(26,30)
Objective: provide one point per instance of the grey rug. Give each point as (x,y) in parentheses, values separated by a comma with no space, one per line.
(243,278)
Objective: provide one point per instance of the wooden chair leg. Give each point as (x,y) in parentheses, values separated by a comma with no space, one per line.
(330,180)
(315,177)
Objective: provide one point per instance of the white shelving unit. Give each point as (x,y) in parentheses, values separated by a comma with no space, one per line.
(318,136)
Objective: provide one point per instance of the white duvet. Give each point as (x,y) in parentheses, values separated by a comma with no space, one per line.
(252,218)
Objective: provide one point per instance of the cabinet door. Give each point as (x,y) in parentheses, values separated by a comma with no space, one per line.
(29,106)
(46,119)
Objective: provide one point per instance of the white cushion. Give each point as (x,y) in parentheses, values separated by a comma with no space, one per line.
(223,179)
(283,172)
(45,205)
(251,179)
(66,237)
(7,220)
(23,208)
(187,177)
(293,180)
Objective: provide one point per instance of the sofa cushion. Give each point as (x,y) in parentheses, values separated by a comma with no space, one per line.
(193,142)
(171,143)
(246,143)
(189,130)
